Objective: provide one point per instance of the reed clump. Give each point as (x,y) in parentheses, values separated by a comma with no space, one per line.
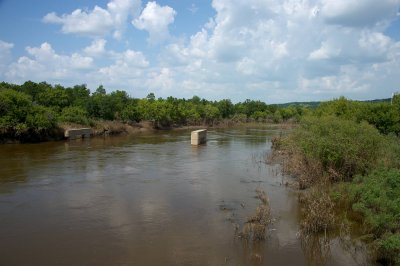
(318,212)
(255,227)
(329,149)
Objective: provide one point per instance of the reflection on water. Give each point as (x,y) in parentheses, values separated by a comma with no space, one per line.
(145,200)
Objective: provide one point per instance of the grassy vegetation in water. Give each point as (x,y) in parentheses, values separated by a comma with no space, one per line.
(330,149)
(255,227)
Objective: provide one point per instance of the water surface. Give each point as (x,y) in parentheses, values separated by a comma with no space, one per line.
(146,200)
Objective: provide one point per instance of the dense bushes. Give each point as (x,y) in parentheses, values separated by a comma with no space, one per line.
(21,119)
(14,108)
(74,114)
(385,116)
(377,197)
(329,148)
(41,119)
(18,114)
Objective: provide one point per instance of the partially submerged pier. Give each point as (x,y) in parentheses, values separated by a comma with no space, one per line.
(198,137)
(77,133)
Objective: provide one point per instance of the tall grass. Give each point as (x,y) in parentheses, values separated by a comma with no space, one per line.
(256,225)
(331,149)
(326,150)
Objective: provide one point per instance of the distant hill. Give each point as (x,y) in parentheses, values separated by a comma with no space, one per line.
(308,104)
(378,100)
(317,103)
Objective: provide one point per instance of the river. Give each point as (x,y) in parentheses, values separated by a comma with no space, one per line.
(149,199)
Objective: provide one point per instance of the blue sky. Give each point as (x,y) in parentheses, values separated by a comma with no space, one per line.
(272,50)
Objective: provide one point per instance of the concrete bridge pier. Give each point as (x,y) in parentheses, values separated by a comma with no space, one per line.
(198,137)
(77,133)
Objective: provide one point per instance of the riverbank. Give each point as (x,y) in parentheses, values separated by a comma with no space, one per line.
(349,178)
(112,128)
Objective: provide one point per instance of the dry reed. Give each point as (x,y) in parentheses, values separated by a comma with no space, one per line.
(255,227)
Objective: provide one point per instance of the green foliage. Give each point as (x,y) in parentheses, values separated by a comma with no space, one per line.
(78,95)
(276,117)
(389,248)
(34,89)
(18,115)
(226,108)
(249,107)
(259,116)
(343,148)
(151,97)
(41,118)
(53,97)
(101,90)
(100,106)
(130,113)
(383,115)
(14,108)
(211,113)
(336,143)
(76,105)
(377,197)
(75,114)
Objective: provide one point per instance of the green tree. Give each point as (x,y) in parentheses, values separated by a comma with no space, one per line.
(53,97)
(41,119)
(75,114)
(211,113)
(226,108)
(34,89)
(14,108)
(78,95)
(151,97)
(130,113)
(101,90)
(100,106)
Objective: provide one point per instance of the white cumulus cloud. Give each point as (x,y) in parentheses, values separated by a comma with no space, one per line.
(98,21)
(45,64)
(272,50)
(127,70)
(294,49)
(358,13)
(97,48)
(155,19)
(5,55)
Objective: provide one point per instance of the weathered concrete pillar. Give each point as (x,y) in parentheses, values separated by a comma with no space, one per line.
(198,137)
(76,133)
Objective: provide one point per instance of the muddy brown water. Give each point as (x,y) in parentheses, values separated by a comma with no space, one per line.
(147,200)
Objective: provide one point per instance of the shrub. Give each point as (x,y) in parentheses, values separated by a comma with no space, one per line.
(336,148)
(14,107)
(389,249)
(74,114)
(377,197)
(130,113)
(41,118)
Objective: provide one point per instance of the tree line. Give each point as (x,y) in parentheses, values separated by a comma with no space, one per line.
(41,106)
